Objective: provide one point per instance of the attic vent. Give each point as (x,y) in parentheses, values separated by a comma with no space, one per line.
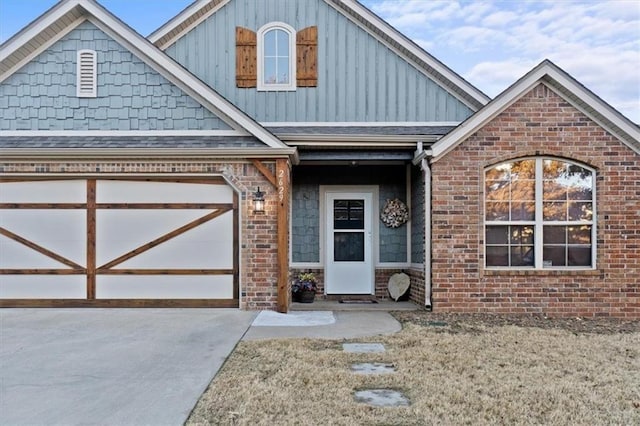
(87,70)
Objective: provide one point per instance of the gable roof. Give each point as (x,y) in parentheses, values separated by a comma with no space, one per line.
(169,33)
(565,86)
(68,14)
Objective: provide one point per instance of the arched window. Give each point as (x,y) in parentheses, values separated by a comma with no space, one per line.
(276,57)
(540,214)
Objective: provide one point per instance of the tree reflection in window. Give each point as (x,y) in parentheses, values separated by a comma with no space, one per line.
(562,224)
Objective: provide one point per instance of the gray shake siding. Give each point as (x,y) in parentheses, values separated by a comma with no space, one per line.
(359,78)
(131,95)
(305,218)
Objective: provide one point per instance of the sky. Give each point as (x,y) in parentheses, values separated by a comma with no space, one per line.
(489,43)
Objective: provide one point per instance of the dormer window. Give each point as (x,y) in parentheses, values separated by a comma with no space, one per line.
(87,74)
(276,57)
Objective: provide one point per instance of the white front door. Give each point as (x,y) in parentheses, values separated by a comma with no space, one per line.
(349,255)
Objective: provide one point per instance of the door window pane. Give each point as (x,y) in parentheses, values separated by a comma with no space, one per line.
(348,214)
(348,246)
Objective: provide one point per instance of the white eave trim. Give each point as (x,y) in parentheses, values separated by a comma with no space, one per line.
(27,34)
(361,124)
(182,78)
(183,16)
(152,56)
(357,140)
(524,85)
(29,154)
(120,133)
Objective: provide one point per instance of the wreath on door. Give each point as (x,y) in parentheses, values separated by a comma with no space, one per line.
(394,213)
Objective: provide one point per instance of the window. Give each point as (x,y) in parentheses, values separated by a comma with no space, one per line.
(539,213)
(276,57)
(286,59)
(86,86)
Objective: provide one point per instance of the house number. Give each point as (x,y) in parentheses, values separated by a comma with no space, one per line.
(281,185)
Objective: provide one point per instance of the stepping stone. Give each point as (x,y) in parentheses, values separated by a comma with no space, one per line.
(363,348)
(382,398)
(373,368)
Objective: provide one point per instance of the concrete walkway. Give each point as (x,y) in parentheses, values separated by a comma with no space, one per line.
(134,366)
(347,325)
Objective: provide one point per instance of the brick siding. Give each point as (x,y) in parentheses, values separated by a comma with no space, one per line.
(540,123)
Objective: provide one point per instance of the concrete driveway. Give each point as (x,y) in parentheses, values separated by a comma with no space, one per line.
(111,366)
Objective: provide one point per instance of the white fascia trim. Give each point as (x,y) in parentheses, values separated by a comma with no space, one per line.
(36,27)
(120,133)
(24,61)
(597,104)
(400,39)
(528,82)
(361,124)
(154,57)
(177,20)
(169,69)
(144,153)
(482,117)
(178,75)
(355,140)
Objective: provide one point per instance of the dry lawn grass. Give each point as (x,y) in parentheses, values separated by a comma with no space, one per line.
(464,375)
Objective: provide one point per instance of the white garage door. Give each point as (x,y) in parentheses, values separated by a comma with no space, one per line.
(118,243)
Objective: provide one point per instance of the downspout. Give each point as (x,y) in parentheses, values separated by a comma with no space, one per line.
(427,232)
(421,157)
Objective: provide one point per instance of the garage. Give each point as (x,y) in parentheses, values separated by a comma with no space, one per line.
(147,242)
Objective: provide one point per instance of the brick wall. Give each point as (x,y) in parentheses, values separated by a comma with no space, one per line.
(381,280)
(258,233)
(417,289)
(540,123)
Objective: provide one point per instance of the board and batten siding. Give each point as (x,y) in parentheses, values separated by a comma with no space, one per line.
(130,94)
(359,78)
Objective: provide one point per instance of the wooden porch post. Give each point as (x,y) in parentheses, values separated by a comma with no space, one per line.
(91,239)
(283,176)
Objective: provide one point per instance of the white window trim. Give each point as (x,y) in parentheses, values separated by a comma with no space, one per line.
(292,58)
(83,73)
(539,223)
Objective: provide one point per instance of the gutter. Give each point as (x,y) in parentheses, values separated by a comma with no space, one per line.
(145,154)
(421,157)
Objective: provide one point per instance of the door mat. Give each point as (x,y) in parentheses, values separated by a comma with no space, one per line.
(358,301)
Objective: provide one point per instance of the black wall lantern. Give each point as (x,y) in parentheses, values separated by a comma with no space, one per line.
(258,201)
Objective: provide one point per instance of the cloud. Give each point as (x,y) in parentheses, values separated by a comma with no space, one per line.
(493,43)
